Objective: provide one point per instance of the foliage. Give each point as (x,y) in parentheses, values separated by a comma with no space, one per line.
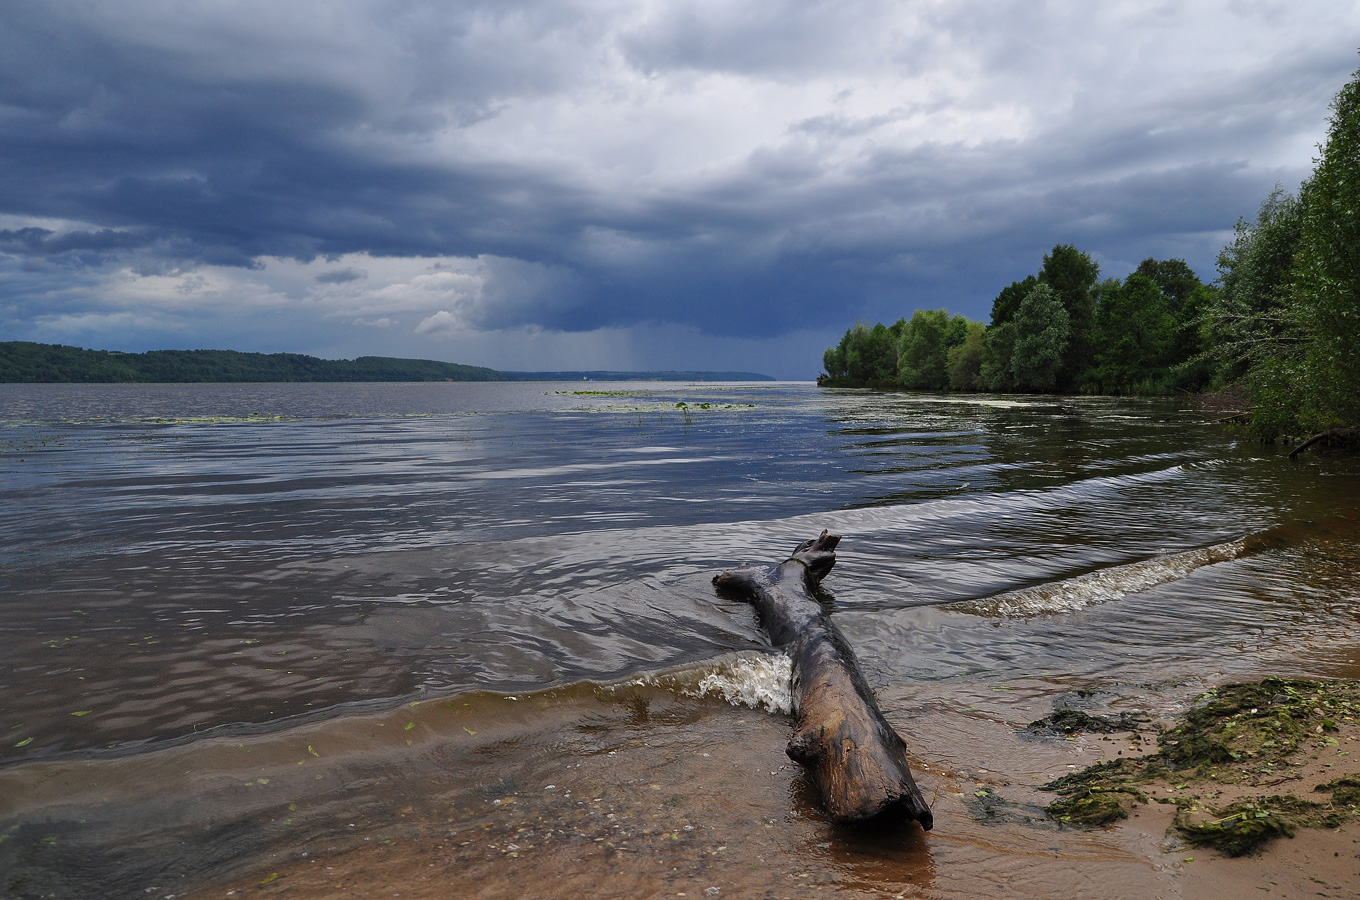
(1042,332)
(1133,336)
(1248,322)
(1145,335)
(1008,301)
(996,370)
(1072,275)
(911,354)
(922,364)
(1326,287)
(865,357)
(964,360)
(1142,335)
(1176,280)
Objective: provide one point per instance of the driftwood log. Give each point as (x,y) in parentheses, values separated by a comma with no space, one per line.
(1329,436)
(855,758)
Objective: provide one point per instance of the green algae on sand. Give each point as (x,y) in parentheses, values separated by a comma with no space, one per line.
(1212,766)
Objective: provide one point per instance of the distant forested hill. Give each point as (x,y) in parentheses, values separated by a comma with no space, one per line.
(22,361)
(593,375)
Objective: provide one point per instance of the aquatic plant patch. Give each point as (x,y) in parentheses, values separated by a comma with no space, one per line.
(1224,764)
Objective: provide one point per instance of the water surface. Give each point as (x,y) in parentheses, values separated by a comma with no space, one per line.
(185,570)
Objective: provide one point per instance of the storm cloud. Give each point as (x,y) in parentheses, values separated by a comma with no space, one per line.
(631,185)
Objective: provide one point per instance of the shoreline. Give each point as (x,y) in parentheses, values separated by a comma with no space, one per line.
(664,803)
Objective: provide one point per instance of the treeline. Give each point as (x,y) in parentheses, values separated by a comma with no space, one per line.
(23,361)
(1059,330)
(645,375)
(1281,322)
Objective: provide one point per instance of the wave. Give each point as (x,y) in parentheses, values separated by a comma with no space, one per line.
(758,680)
(1102,586)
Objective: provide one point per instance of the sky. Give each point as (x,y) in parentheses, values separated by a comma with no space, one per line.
(592,184)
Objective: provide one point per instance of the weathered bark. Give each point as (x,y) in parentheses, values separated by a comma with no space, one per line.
(855,758)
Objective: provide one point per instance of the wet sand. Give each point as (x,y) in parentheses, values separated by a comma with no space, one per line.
(642,793)
(635,791)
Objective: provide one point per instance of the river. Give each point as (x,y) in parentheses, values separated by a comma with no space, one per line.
(405,639)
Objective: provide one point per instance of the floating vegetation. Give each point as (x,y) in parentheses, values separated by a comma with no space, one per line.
(602,393)
(1073,721)
(1238,737)
(644,402)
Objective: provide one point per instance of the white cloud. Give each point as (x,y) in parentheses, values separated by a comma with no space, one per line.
(441,323)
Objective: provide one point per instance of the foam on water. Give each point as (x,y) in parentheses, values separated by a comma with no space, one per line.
(1114,583)
(758,680)
(763,681)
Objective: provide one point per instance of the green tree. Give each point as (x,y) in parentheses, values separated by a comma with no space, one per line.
(964,361)
(1042,334)
(1072,275)
(1176,280)
(1133,335)
(957,332)
(1193,367)
(996,372)
(865,357)
(833,361)
(921,354)
(1324,382)
(1248,321)
(1008,301)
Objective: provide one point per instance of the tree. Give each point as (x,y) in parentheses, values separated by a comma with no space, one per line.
(1072,275)
(996,371)
(1008,301)
(921,354)
(1176,280)
(1192,365)
(1326,284)
(964,361)
(1042,333)
(1248,321)
(1133,335)
(865,356)
(833,360)
(957,332)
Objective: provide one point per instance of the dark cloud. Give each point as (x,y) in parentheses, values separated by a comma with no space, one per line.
(45,242)
(874,158)
(342,276)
